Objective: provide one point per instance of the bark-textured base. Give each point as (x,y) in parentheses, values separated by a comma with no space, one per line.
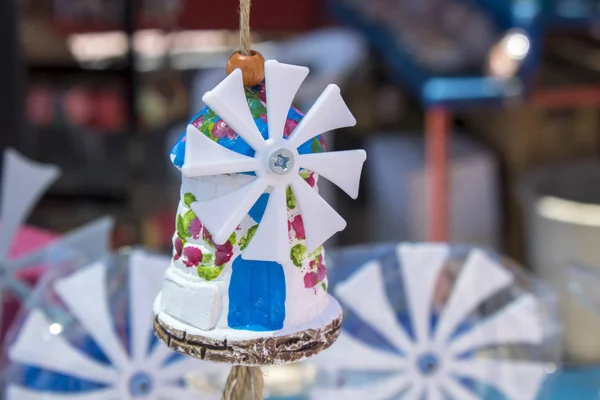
(256,352)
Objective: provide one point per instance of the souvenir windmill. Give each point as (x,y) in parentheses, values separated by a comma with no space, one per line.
(101,346)
(23,183)
(247,284)
(439,348)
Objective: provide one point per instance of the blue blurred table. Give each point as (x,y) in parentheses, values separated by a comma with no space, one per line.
(573,384)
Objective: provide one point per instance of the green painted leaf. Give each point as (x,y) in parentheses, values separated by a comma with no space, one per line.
(245,241)
(187,220)
(207,128)
(181,231)
(210,115)
(188,199)
(324,286)
(232,239)
(257,108)
(315,254)
(290,198)
(209,273)
(298,254)
(207,258)
(316,146)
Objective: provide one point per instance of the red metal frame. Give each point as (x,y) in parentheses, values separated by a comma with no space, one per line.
(437,129)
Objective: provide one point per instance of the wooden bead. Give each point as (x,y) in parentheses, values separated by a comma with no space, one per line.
(252,66)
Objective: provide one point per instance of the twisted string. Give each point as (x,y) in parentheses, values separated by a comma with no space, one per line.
(244,383)
(245,27)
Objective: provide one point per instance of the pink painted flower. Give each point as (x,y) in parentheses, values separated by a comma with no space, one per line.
(198,122)
(223,254)
(263,117)
(262,94)
(321,269)
(297,226)
(311,179)
(178,248)
(193,255)
(290,125)
(311,280)
(208,238)
(323,143)
(195,228)
(222,130)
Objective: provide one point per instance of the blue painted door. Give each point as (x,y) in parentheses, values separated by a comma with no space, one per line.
(256,295)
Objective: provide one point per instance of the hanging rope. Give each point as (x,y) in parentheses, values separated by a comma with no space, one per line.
(244,383)
(245,27)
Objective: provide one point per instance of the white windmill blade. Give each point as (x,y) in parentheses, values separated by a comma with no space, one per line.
(19,393)
(204,157)
(518,380)
(456,390)
(222,224)
(434,393)
(328,113)
(480,278)
(420,271)
(228,101)
(143,288)
(343,168)
(92,240)
(350,353)
(179,393)
(435,367)
(415,392)
(23,182)
(500,328)
(320,220)
(85,295)
(385,389)
(158,356)
(271,242)
(36,346)
(282,82)
(384,321)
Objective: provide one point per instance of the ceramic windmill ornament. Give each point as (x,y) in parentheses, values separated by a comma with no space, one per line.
(23,183)
(274,243)
(435,350)
(111,304)
(247,284)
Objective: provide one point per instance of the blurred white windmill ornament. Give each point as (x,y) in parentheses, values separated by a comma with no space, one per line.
(431,365)
(23,183)
(276,163)
(147,372)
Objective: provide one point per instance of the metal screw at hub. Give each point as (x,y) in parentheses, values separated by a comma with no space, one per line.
(281,161)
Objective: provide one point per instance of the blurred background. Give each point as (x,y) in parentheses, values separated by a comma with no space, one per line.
(480,117)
